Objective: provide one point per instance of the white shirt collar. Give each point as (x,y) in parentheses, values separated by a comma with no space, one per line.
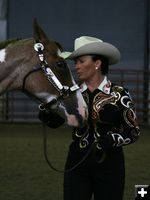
(104,86)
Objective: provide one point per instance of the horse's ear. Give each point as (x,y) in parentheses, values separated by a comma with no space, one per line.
(38,33)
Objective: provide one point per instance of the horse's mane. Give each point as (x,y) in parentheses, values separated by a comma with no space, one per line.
(5,43)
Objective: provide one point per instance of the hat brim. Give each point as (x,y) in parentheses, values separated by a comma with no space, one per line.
(97,48)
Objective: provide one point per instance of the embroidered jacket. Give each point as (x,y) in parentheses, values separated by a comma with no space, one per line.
(112,117)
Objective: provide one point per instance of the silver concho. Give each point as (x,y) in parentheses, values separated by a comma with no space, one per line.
(38,46)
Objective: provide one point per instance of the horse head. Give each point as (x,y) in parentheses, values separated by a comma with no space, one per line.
(37,68)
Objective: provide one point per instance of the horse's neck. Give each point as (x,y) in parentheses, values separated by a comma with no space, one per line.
(14,65)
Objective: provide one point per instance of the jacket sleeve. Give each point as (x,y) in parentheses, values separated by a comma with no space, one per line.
(50,118)
(129,130)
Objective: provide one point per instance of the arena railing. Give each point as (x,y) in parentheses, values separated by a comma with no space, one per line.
(16,107)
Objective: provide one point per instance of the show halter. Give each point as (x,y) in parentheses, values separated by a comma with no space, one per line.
(64,91)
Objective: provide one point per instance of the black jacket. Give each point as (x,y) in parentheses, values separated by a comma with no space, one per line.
(112,119)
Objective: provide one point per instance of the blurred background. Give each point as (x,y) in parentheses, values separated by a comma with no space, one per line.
(126,24)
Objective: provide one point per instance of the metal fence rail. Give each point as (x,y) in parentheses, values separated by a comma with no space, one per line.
(16,107)
(139,88)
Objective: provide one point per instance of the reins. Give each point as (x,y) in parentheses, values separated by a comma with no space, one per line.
(64,92)
(92,147)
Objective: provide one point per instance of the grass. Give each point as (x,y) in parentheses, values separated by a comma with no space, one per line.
(25,175)
(137,164)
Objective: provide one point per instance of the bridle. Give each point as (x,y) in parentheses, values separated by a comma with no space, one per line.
(64,91)
(91,149)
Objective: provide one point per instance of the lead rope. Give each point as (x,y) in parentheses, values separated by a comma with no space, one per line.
(76,165)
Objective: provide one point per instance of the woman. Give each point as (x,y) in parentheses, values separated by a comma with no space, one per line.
(111,125)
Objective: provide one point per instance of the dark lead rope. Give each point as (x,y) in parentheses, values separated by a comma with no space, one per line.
(64,91)
(93,146)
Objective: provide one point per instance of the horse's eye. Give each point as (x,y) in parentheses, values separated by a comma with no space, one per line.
(61,64)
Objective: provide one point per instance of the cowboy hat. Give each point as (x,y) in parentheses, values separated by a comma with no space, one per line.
(85,45)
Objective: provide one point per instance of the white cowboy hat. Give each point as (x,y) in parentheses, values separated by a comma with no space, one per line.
(85,45)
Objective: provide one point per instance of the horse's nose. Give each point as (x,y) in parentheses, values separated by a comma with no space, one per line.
(83,123)
(86,113)
(78,120)
(83,120)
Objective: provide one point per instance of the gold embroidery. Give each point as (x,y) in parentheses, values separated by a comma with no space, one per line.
(117,89)
(83,138)
(130,117)
(99,101)
(102,99)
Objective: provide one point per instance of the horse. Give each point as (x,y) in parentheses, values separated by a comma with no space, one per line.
(34,66)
